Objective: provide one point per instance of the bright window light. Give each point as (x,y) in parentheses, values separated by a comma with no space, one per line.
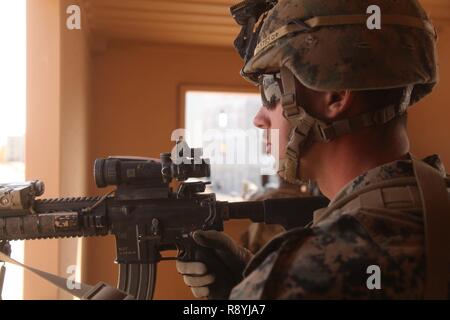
(222,124)
(13,119)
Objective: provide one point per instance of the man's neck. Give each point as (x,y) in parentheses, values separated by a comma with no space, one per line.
(351,156)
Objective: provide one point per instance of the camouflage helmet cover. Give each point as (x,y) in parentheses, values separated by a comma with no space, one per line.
(349,56)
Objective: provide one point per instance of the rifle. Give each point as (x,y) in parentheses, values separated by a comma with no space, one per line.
(143,213)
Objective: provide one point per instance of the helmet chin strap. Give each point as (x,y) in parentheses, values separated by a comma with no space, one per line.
(302,125)
(307,128)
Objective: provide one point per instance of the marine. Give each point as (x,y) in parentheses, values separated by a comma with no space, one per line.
(339,94)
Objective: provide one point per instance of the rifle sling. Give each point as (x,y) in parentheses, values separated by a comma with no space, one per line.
(101,291)
(436,215)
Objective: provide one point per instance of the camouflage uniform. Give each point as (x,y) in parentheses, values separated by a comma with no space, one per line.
(330,259)
(258,234)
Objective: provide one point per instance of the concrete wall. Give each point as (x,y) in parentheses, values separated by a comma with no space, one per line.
(43,129)
(429,124)
(57,130)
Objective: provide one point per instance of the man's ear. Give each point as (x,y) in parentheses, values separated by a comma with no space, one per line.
(338,103)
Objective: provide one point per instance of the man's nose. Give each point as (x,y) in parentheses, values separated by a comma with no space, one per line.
(261,119)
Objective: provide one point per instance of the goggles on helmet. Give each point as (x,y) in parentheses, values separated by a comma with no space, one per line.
(247,14)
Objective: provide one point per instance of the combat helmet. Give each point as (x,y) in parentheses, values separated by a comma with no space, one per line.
(328,46)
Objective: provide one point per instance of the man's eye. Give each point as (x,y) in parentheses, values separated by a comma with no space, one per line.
(272,103)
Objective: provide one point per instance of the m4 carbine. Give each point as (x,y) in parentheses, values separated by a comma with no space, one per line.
(143,213)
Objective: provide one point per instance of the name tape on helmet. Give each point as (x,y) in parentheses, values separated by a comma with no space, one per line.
(328,21)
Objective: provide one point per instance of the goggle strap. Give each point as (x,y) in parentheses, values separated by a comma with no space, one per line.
(251,37)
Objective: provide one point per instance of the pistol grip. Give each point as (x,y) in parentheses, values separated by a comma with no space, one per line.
(225,278)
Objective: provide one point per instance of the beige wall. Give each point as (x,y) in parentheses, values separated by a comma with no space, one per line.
(56,139)
(429,125)
(136,98)
(43,129)
(74,104)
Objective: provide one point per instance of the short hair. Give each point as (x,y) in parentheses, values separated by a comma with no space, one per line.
(376,99)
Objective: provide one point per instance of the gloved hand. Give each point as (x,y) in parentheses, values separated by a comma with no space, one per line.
(221,268)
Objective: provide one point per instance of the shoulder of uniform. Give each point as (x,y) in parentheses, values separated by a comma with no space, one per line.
(340,226)
(334,228)
(275,244)
(339,248)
